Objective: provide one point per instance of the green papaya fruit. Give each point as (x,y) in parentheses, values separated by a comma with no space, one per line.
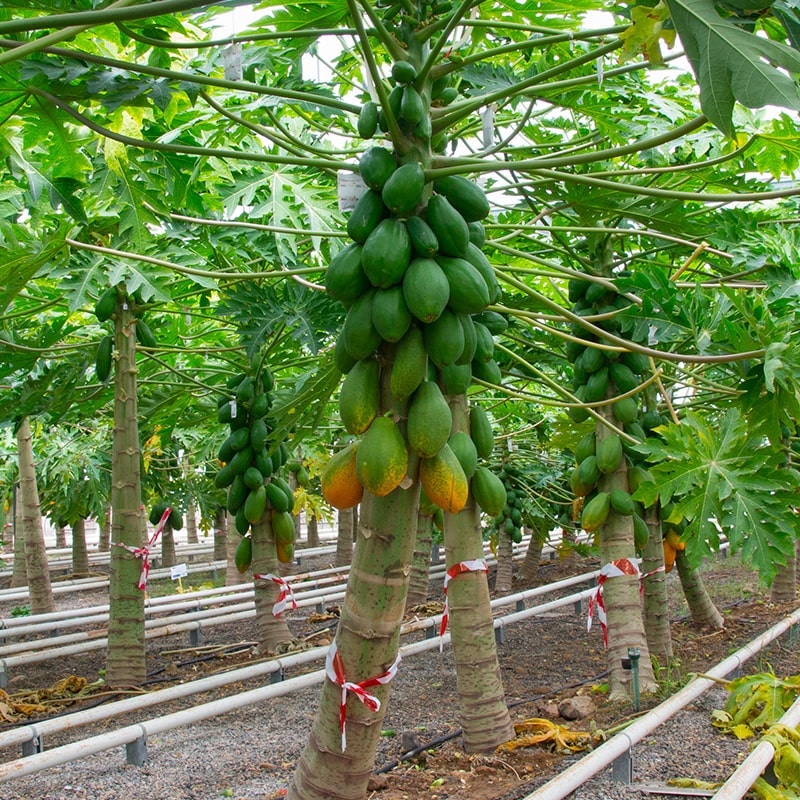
(464,195)
(368,211)
(448,225)
(426,289)
(390,314)
(469,293)
(255,504)
(444,339)
(386,253)
(375,167)
(410,365)
(402,192)
(361,339)
(368,120)
(345,279)
(480,429)
(103,359)
(106,304)
(423,240)
(456,378)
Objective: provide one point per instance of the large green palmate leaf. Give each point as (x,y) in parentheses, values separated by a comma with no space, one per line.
(732,64)
(723,481)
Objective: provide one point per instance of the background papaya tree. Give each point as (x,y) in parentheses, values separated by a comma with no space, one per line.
(74,476)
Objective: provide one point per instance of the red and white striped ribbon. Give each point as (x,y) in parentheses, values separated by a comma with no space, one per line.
(613,569)
(472,565)
(144,551)
(334,669)
(285,596)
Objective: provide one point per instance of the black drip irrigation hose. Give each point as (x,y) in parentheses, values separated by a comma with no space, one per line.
(452,735)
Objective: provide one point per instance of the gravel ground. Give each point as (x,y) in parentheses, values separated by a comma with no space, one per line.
(250,754)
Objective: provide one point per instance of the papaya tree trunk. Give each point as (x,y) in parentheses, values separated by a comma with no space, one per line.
(220,534)
(232,575)
(625,623)
(126,656)
(271,630)
(168,558)
(505,563)
(191,523)
(529,570)
(19,573)
(485,719)
(61,536)
(367,640)
(784,587)
(656,609)
(701,607)
(312,528)
(419,577)
(41,593)
(104,531)
(80,555)
(344,536)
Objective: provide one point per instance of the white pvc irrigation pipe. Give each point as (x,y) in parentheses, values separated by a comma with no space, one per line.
(574,776)
(35,731)
(14,655)
(301,578)
(132,733)
(756,762)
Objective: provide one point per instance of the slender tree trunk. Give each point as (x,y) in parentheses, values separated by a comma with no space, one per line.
(529,571)
(220,534)
(485,719)
(168,557)
(344,537)
(61,536)
(784,587)
(656,610)
(80,555)
(126,655)
(312,527)
(505,563)
(421,561)
(191,523)
(232,575)
(367,640)
(41,593)
(701,606)
(104,531)
(621,593)
(271,631)
(19,574)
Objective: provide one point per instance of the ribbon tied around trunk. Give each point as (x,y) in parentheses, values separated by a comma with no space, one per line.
(285,596)
(334,669)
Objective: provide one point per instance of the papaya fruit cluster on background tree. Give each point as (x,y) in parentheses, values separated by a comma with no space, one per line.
(651,189)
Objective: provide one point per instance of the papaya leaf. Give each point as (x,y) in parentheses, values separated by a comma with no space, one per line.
(732,64)
(724,480)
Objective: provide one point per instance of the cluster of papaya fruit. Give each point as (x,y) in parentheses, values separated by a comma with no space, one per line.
(408,107)
(605,377)
(414,277)
(672,543)
(105,309)
(252,460)
(510,520)
(593,460)
(174,520)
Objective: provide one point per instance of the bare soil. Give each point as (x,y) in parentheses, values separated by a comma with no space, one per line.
(420,755)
